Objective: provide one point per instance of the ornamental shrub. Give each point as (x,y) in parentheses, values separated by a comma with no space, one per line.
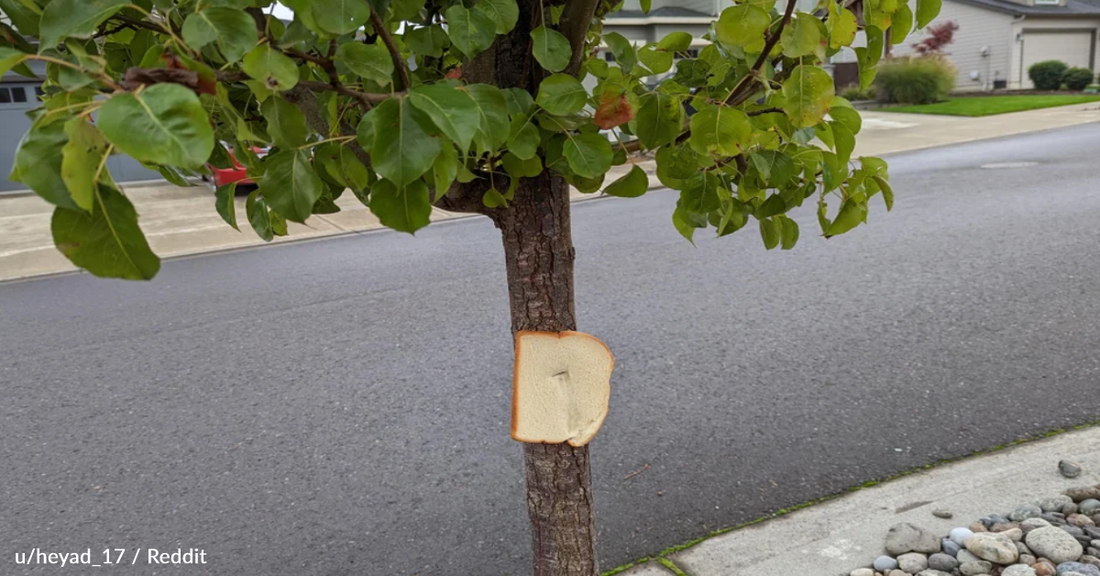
(1047,75)
(915,80)
(1077,78)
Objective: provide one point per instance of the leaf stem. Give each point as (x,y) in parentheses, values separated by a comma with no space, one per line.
(326,140)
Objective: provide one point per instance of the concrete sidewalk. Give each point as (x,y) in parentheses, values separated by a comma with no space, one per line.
(837,536)
(182,221)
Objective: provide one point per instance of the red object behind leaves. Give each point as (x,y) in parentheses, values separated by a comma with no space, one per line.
(613,111)
(939,36)
(455,73)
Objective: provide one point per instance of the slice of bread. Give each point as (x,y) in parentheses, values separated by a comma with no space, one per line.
(561,387)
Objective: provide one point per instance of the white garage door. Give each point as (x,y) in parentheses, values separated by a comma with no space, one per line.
(1073,48)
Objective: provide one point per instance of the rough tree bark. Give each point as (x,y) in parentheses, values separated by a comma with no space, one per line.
(538,253)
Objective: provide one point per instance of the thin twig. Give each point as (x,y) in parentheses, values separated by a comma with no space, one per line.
(395,53)
(740,92)
(636,472)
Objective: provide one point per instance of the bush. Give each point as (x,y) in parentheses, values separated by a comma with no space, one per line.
(915,80)
(1077,78)
(1047,75)
(853,93)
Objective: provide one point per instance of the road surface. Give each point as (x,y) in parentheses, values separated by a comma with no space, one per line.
(341,407)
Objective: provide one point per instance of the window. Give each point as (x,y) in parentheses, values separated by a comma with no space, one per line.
(608,56)
(12,94)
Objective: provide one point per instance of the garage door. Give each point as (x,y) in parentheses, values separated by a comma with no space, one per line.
(1072,47)
(15,100)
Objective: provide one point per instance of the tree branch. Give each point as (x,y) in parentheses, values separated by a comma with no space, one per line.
(395,53)
(576,19)
(741,91)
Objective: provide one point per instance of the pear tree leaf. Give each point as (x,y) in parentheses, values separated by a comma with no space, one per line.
(635,183)
(163,124)
(106,241)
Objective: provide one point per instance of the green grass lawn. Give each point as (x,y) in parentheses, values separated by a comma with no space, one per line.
(989,105)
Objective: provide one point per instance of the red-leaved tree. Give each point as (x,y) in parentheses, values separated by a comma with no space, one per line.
(939,36)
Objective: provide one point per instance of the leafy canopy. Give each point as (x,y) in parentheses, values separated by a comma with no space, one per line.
(377,97)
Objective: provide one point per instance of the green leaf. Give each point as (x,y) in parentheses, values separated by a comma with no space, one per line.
(74,19)
(623,50)
(675,42)
(902,24)
(845,143)
(801,36)
(364,134)
(340,16)
(634,184)
(520,168)
(519,101)
(402,150)
(38,162)
(769,231)
(561,94)
(743,26)
(656,60)
(493,129)
(404,209)
(234,31)
(809,92)
(686,223)
(702,193)
(645,5)
(659,121)
(21,16)
(471,31)
(163,124)
(444,171)
(285,123)
(788,232)
(259,216)
(428,40)
(343,166)
(494,199)
(551,48)
(290,185)
(503,13)
(107,241)
(842,26)
(589,155)
(851,215)
(842,111)
(523,139)
(451,109)
(224,203)
(371,61)
(927,10)
(887,191)
(269,66)
(10,58)
(720,130)
(82,157)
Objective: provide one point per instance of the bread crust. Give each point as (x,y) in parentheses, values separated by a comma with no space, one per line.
(515,382)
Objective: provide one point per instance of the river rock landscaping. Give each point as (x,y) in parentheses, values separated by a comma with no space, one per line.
(1053,536)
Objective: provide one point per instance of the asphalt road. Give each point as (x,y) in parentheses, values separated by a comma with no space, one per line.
(341,406)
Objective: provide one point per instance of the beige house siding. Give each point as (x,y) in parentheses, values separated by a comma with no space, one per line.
(978,28)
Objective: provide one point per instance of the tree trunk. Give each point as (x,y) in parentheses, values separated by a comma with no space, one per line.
(538,251)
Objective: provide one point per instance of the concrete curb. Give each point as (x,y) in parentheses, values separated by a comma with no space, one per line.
(846,532)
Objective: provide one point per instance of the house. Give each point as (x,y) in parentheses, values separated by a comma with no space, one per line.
(998,40)
(18,95)
(667,16)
